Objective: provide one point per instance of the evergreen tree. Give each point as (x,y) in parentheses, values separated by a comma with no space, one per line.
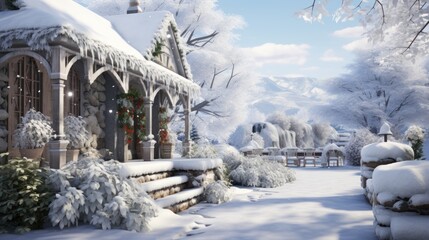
(194,134)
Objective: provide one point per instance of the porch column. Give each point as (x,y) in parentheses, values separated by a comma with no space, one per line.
(148,142)
(187,142)
(58,144)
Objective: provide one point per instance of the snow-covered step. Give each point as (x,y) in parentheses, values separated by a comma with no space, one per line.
(182,200)
(164,187)
(163,183)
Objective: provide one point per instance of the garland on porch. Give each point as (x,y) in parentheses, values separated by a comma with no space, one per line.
(163,125)
(131,115)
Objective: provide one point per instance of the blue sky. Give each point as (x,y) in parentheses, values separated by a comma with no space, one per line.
(319,50)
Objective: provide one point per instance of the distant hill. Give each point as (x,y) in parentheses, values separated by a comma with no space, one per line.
(292,96)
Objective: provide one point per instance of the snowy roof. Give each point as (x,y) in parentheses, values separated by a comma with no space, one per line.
(384,150)
(39,22)
(144,30)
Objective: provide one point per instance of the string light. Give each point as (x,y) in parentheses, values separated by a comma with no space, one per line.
(110,110)
(70,94)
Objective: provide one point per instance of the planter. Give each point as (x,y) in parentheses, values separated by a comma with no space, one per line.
(139,150)
(166,150)
(31,153)
(72,155)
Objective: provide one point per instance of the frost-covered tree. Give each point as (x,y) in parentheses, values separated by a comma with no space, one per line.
(359,139)
(372,93)
(403,22)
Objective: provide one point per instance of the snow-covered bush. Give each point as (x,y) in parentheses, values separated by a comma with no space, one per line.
(416,135)
(256,172)
(217,192)
(24,196)
(358,140)
(203,150)
(34,131)
(92,190)
(75,131)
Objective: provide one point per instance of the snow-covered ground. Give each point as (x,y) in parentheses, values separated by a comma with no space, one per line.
(323,203)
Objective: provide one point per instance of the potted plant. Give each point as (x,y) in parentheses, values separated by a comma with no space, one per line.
(76,133)
(166,146)
(32,134)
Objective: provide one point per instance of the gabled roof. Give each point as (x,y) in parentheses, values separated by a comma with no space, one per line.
(40,21)
(144,30)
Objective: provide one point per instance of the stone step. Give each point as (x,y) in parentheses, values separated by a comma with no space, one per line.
(182,200)
(164,187)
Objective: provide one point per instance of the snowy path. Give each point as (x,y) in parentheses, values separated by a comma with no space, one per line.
(320,204)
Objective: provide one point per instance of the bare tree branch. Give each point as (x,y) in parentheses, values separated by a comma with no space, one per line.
(415,36)
(215,74)
(232,75)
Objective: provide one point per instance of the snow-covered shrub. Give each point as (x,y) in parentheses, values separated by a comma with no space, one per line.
(92,190)
(75,131)
(203,150)
(358,140)
(253,171)
(230,156)
(416,135)
(24,196)
(34,131)
(217,192)
(256,172)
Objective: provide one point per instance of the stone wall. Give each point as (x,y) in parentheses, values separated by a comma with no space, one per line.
(94,112)
(4,92)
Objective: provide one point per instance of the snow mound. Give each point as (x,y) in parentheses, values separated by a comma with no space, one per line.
(386,150)
(410,227)
(403,179)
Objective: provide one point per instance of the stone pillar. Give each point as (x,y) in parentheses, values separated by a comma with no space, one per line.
(58,144)
(187,142)
(148,142)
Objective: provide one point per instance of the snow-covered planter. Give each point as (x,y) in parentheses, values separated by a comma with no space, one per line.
(401,200)
(75,131)
(376,154)
(32,134)
(91,190)
(217,192)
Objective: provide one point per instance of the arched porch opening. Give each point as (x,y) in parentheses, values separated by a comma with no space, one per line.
(24,84)
(161,102)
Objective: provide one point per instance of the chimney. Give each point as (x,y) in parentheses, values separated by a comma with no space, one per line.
(134,7)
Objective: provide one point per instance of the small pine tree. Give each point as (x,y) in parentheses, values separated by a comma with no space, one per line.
(194,134)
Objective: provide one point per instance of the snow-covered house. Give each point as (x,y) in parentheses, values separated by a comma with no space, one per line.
(61,58)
